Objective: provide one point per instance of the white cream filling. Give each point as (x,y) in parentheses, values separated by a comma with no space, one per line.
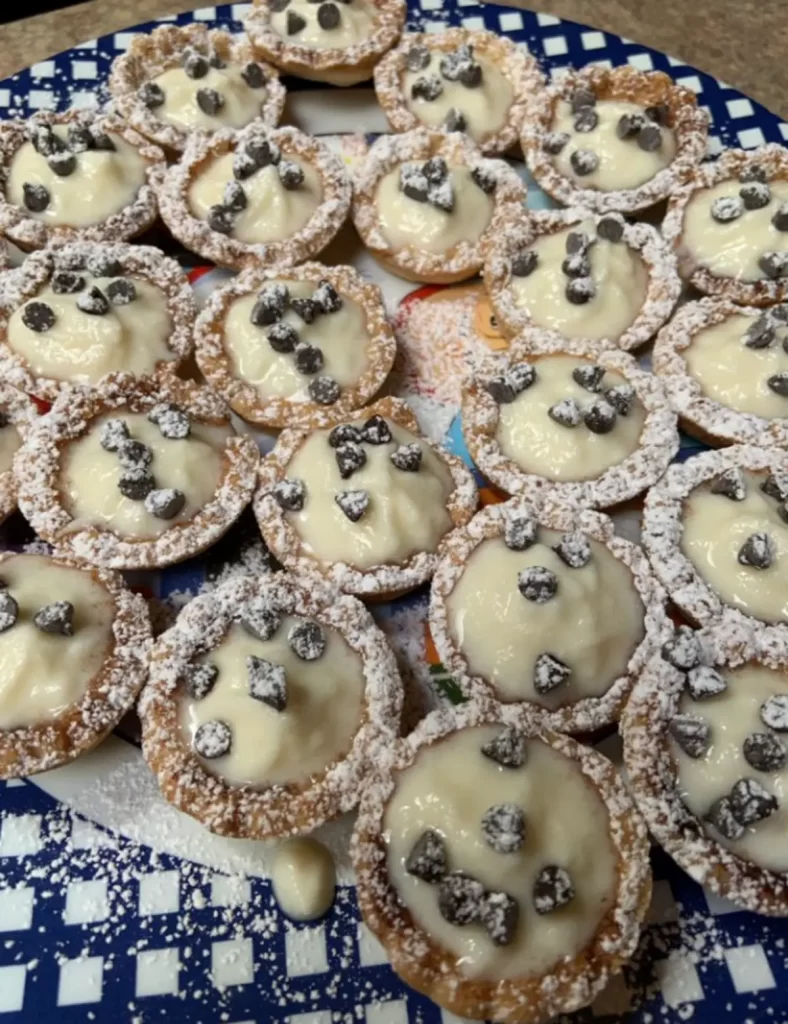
(324,702)
(10,443)
(406,222)
(539,445)
(620,277)
(593,624)
(485,107)
(102,184)
(272,212)
(41,674)
(448,789)
(89,476)
(356,24)
(180,108)
(622,163)
(715,528)
(734,375)
(407,511)
(342,337)
(82,347)
(734,715)
(304,878)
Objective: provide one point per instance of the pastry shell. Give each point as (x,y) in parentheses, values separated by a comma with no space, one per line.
(22,414)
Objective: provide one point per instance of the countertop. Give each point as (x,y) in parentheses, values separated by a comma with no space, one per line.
(738,41)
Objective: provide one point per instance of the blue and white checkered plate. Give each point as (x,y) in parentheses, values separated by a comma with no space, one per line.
(114,906)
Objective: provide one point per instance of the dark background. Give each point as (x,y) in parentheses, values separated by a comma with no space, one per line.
(13,12)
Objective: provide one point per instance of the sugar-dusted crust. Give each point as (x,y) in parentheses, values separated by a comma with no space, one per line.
(379,583)
(662,292)
(702,416)
(339,65)
(433,970)
(173,186)
(22,412)
(689,123)
(132,220)
(150,55)
(652,770)
(460,261)
(659,439)
(773,160)
(108,695)
(583,716)
(663,528)
(141,261)
(242,397)
(513,61)
(37,470)
(270,811)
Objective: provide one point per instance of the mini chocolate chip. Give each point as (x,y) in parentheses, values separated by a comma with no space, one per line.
(600,417)
(776,486)
(577,265)
(553,889)
(134,454)
(659,113)
(282,337)
(267,682)
(376,431)
(65,282)
(484,178)
(45,141)
(758,551)
(704,681)
(151,94)
(582,97)
(270,305)
(165,503)
(727,209)
(244,165)
(428,859)
(262,151)
(503,828)
(585,120)
(500,390)
(253,75)
(102,265)
(692,734)
(774,264)
(213,739)
(295,23)
(102,141)
(721,816)
(35,197)
(328,16)
(306,309)
(574,549)
(764,752)
(554,142)
(38,317)
(221,220)
(353,503)
(611,228)
(234,197)
(350,457)
(435,170)
(452,62)
(259,618)
(780,218)
(56,619)
(470,76)
(500,914)
(519,532)
(577,242)
(199,680)
(454,121)
(407,457)
(622,398)
(195,65)
(172,421)
(308,358)
(774,712)
(323,390)
(210,101)
(630,125)
(682,651)
(289,494)
(93,301)
(753,173)
(589,376)
(121,291)
(537,584)
(731,484)
(760,334)
(9,611)
(327,297)
(580,290)
(113,434)
(291,174)
(566,412)
(507,749)
(755,195)
(650,138)
(413,183)
(751,803)
(549,673)
(442,196)
(344,433)
(307,640)
(427,87)
(524,263)
(136,484)
(778,383)
(460,898)
(417,58)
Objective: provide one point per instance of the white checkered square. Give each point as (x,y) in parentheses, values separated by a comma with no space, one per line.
(16,908)
(239,11)
(43,69)
(205,14)
(718,905)
(80,981)
(90,44)
(435,27)
(395,1012)
(555,46)
(86,902)
(85,836)
(679,981)
(473,23)
(159,893)
(157,972)
(12,783)
(370,951)
(230,891)
(750,970)
(467,3)
(740,107)
(547,19)
(12,988)
(84,69)
(592,40)
(450,1018)
(784,129)
(641,61)
(232,963)
(691,82)
(305,951)
(84,100)
(749,138)
(5,100)
(123,40)
(605,62)
(431,5)
(318,1017)
(41,99)
(511,21)
(20,835)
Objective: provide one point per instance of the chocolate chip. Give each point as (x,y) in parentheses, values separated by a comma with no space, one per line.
(151,94)
(417,58)
(507,749)
(519,532)
(576,265)
(289,494)
(216,61)
(262,151)
(282,337)
(751,803)
(484,178)
(93,302)
(102,141)
(113,434)
(121,292)
(760,334)
(413,183)
(610,228)
(460,898)
(308,358)
(199,680)
(722,818)
(102,265)
(270,305)
(221,220)
(165,503)
(704,682)
(323,390)
(327,297)
(259,618)
(134,454)
(659,113)
(213,739)
(9,611)
(682,651)
(38,317)
(56,619)
(244,165)
(727,209)
(234,197)
(453,62)
(537,584)
(580,290)
(753,173)
(503,828)
(731,484)
(427,859)
(500,914)
(136,484)
(407,457)
(755,195)
(376,431)
(344,433)
(435,170)
(454,121)
(554,142)
(307,640)
(758,551)
(520,377)
(764,752)
(780,217)
(553,889)
(253,75)
(45,141)
(295,23)
(630,125)
(350,457)
(267,682)
(692,734)
(774,264)
(582,97)
(567,412)
(776,486)
(427,87)
(622,398)
(442,196)
(306,309)
(600,417)
(210,101)
(549,673)
(589,376)
(650,138)
(774,712)
(778,383)
(574,549)
(353,503)
(470,76)
(35,197)
(577,242)
(524,263)
(195,65)
(328,16)
(291,174)
(171,419)
(585,120)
